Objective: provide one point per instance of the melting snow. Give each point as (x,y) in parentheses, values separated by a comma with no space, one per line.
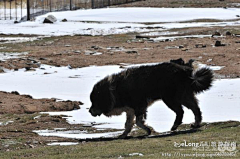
(121,20)
(220,103)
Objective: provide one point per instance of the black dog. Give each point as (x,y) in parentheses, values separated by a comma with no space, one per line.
(134,89)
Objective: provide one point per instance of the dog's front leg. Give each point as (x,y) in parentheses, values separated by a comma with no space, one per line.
(129,124)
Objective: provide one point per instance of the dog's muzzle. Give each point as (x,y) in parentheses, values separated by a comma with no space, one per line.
(95,112)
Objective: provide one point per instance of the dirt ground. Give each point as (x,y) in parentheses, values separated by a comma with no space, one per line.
(18,113)
(81,51)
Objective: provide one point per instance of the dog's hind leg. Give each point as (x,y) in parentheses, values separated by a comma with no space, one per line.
(192,103)
(177,108)
(129,123)
(140,121)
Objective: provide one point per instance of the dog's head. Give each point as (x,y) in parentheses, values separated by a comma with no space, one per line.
(102,98)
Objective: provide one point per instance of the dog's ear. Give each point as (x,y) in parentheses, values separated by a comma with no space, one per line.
(190,62)
(179,61)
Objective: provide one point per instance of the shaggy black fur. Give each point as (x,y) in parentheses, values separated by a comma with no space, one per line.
(134,89)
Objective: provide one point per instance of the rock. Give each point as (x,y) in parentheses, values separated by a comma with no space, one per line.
(218,43)
(50,19)
(69,66)
(77,51)
(64,20)
(171,47)
(200,45)
(228,33)
(184,49)
(131,52)
(41,58)
(95,47)
(216,34)
(15,92)
(68,45)
(181,46)
(87,52)
(28,68)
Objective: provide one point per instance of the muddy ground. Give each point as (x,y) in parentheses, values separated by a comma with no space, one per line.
(19,113)
(81,51)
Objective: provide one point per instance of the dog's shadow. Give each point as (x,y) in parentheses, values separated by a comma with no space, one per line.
(161,135)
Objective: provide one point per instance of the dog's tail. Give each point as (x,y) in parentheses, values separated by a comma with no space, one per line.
(202,80)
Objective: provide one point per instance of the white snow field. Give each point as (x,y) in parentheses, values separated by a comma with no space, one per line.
(121,20)
(220,103)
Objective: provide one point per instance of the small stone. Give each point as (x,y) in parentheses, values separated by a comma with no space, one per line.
(77,51)
(200,45)
(15,92)
(87,52)
(216,34)
(28,68)
(131,52)
(181,46)
(185,49)
(218,43)
(228,33)
(68,45)
(41,58)
(64,20)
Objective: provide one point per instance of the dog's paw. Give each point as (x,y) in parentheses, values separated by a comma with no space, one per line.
(195,126)
(123,136)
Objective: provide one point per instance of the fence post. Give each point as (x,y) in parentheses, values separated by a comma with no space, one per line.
(10,10)
(21,7)
(5,7)
(92,4)
(50,5)
(28,10)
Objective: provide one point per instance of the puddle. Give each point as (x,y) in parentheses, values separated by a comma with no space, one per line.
(62,143)
(11,55)
(159,33)
(234,4)
(5,40)
(5,123)
(178,37)
(76,134)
